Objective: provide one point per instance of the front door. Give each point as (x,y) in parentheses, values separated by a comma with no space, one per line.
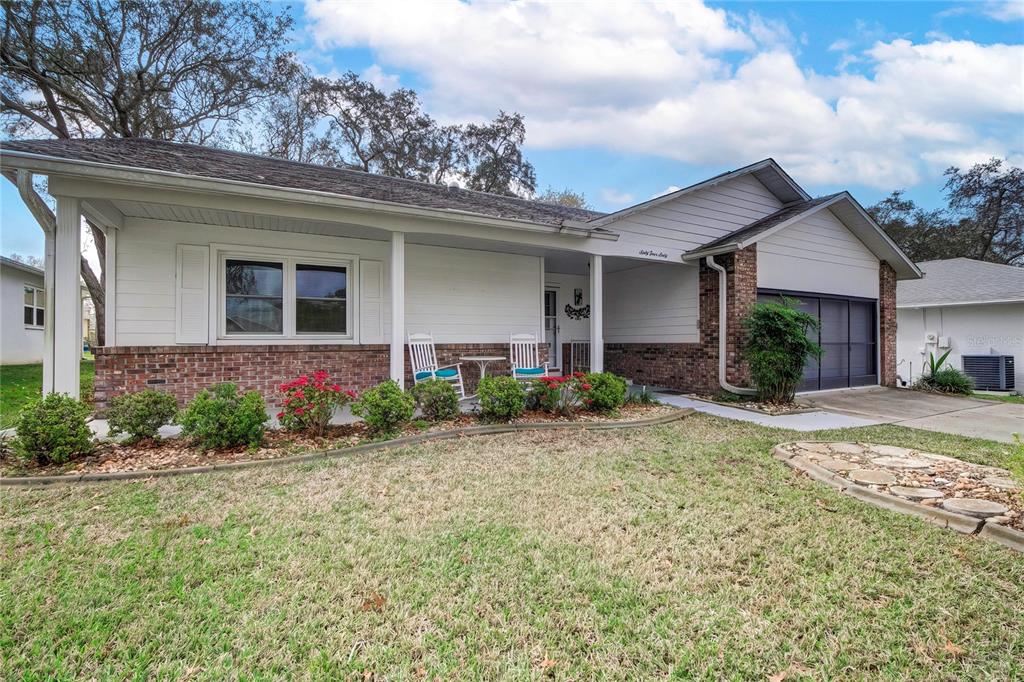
(551,327)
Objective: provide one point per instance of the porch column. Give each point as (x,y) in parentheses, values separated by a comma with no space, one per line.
(67,298)
(398,308)
(48,270)
(596,314)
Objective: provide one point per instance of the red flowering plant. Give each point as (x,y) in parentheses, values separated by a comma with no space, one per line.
(309,402)
(562,395)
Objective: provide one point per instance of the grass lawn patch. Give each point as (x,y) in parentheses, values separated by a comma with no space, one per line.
(1011,398)
(683,551)
(21,383)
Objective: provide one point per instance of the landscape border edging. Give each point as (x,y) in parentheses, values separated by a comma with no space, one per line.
(482,430)
(968,525)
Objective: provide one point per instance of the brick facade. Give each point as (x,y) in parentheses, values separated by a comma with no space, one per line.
(693,367)
(887,324)
(183,370)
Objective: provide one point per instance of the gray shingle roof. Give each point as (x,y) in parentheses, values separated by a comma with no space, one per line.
(208,162)
(959,281)
(766,223)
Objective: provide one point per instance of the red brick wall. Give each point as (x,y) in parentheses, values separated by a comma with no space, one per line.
(887,323)
(183,370)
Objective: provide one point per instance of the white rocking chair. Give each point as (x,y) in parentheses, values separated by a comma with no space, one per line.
(424,364)
(525,357)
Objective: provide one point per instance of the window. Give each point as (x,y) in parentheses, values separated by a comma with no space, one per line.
(288,298)
(33,306)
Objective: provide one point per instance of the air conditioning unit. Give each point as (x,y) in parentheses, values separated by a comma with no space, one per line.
(990,372)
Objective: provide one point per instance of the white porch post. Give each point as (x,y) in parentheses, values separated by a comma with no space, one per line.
(596,314)
(67,297)
(48,317)
(398,308)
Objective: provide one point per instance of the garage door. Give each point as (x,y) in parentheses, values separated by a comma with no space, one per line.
(848,339)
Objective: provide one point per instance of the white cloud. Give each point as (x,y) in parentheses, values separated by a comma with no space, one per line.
(388,82)
(1006,10)
(667,190)
(656,79)
(841,45)
(615,197)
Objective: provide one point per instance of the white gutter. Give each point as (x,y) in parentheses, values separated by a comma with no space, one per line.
(723,290)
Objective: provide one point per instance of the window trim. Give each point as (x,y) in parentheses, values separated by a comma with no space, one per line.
(288,258)
(38,295)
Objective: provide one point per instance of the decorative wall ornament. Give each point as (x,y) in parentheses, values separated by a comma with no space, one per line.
(577,313)
(577,297)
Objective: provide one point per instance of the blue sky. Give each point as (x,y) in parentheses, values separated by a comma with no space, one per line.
(626,101)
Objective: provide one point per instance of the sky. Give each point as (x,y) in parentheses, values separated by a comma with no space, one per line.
(625,101)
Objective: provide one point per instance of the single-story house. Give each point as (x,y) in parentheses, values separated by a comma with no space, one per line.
(228,266)
(23,311)
(968,307)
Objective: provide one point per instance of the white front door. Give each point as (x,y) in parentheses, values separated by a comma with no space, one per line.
(551,327)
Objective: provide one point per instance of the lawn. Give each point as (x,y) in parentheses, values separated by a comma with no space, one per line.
(21,383)
(1010,398)
(681,551)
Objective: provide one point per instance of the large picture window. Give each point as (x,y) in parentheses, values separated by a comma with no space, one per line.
(288,298)
(33,313)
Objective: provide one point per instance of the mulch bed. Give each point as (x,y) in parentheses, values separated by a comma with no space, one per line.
(770,409)
(174,453)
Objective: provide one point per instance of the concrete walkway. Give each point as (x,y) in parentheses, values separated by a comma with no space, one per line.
(805,421)
(929,411)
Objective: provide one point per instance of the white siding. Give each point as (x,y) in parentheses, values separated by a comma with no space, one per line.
(817,254)
(18,344)
(465,296)
(461,296)
(652,304)
(698,217)
(972,330)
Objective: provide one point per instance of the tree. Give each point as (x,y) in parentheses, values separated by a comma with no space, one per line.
(34,261)
(564,197)
(990,200)
(166,69)
(496,158)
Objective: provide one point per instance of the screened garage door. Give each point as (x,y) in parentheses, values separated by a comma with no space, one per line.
(848,339)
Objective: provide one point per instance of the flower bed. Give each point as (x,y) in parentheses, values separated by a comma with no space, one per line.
(174,453)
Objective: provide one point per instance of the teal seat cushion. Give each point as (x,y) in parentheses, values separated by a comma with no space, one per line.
(530,370)
(440,374)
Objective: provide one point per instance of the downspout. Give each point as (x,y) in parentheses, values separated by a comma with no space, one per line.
(723,289)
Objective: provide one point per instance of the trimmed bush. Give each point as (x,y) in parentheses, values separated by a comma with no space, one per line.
(777,348)
(140,415)
(502,398)
(943,378)
(607,391)
(221,418)
(310,401)
(384,407)
(437,399)
(53,430)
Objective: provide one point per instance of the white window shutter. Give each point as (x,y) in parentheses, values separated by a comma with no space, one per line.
(371,301)
(192,294)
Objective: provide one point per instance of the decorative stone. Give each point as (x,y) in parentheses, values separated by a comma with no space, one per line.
(847,448)
(820,448)
(871,477)
(937,458)
(901,463)
(916,494)
(981,509)
(1001,483)
(838,464)
(891,450)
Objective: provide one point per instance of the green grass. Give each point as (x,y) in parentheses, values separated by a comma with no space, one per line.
(684,551)
(1012,398)
(21,383)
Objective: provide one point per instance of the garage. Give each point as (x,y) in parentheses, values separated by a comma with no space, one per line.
(848,336)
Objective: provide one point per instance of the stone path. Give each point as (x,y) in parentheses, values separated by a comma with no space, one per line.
(945,490)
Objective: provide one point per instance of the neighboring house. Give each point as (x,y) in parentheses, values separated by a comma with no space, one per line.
(21,313)
(968,307)
(227,266)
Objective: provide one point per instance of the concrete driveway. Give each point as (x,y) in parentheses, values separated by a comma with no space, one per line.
(948,414)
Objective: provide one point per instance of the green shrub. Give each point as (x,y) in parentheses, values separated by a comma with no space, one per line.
(777,348)
(310,401)
(607,391)
(221,418)
(502,398)
(943,378)
(641,397)
(437,399)
(140,415)
(53,430)
(384,407)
